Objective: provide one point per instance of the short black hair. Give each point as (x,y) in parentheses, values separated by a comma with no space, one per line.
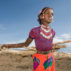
(41,13)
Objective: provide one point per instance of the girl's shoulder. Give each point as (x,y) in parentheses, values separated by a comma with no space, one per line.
(33,32)
(35,28)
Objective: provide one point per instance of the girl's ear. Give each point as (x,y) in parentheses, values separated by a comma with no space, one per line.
(41,16)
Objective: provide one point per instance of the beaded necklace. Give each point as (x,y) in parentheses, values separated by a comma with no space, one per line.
(45,32)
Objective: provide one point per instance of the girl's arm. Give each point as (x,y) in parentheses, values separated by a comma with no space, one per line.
(25,44)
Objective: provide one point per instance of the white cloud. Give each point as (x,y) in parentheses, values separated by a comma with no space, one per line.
(63,37)
(66,36)
(56,39)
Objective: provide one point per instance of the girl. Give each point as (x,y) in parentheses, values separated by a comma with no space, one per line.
(43,35)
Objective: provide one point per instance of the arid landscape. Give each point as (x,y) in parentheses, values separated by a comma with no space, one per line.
(12,60)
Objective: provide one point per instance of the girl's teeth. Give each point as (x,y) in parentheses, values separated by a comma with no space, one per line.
(49,18)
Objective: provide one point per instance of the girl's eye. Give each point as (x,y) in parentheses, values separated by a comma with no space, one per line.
(47,13)
(52,14)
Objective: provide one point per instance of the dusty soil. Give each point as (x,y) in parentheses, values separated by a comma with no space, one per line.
(13,62)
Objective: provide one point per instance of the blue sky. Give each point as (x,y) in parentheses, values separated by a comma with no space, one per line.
(18,17)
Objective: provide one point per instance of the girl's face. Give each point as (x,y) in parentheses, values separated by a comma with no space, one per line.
(48,16)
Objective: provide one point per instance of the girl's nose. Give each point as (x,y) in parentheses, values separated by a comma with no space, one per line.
(50,15)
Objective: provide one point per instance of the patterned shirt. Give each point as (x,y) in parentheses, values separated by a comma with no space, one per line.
(42,44)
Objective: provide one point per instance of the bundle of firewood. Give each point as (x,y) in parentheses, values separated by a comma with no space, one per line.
(32,50)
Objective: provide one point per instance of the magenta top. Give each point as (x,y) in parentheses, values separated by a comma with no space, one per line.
(42,44)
